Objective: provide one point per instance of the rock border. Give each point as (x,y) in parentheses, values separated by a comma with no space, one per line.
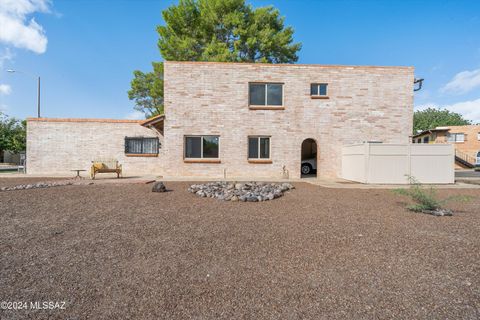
(241,191)
(38,185)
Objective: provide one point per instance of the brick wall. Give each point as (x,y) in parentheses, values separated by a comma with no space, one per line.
(471,145)
(56,146)
(365,103)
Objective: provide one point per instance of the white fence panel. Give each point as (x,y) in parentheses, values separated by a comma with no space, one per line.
(393,163)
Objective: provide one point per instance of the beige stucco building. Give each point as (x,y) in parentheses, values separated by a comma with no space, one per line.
(234,120)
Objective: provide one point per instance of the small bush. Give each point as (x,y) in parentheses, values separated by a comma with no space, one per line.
(426,199)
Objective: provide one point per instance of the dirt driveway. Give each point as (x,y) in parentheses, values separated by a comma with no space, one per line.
(123,252)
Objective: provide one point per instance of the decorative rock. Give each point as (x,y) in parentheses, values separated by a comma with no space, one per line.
(37,185)
(439,212)
(246,192)
(159,187)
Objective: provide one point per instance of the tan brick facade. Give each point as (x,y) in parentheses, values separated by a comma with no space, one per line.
(56,146)
(364,104)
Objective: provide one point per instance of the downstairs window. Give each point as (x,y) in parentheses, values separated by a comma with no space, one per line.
(141,145)
(258,147)
(200,147)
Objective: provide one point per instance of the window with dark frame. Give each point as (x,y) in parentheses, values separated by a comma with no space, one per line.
(141,145)
(265,94)
(200,147)
(456,137)
(318,89)
(259,147)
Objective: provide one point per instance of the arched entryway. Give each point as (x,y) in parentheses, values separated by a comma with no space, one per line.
(308,166)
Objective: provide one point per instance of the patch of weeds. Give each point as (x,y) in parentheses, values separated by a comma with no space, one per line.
(426,199)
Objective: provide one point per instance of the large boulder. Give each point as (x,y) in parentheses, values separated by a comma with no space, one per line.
(159,187)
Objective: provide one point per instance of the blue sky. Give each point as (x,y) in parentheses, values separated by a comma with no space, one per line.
(86,50)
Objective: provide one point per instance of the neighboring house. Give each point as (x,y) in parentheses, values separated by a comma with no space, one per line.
(234,120)
(9,157)
(466,140)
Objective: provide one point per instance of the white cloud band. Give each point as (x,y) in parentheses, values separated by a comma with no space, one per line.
(463,82)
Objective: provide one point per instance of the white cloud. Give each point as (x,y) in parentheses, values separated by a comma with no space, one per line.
(470,110)
(18,30)
(5,89)
(135,115)
(5,55)
(463,82)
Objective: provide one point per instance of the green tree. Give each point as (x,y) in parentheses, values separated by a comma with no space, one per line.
(12,134)
(147,90)
(431,118)
(225,30)
(215,30)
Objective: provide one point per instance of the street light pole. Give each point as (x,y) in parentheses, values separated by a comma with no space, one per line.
(38,88)
(38,98)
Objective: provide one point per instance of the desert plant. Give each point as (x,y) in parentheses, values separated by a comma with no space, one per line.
(426,200)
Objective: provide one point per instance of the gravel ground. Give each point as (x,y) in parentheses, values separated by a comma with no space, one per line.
(123,252)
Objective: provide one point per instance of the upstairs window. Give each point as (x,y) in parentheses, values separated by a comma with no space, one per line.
(478,136)
(258,147)
(265,94)
(202,147)
(318,89)
(456,137)
(141,145)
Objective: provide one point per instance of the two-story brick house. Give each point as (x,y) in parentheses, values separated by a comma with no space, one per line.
(229,120)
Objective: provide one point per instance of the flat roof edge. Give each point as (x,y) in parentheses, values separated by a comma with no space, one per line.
(83,120)
(290,64)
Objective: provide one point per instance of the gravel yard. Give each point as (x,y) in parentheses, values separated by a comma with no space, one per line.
(121,251)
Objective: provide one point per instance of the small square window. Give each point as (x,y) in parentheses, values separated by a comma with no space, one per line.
(258,147)
(318,89)
(478,136)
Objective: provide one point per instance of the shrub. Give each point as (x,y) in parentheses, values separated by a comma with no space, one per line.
(426,199)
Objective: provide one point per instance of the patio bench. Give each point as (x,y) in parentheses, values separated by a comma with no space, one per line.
(105,166)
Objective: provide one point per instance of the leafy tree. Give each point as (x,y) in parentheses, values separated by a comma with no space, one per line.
(147,90)
(12,134)
(431,118)
(214,30)
(225,30)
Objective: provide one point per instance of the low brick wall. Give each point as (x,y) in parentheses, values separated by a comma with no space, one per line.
(57,146)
